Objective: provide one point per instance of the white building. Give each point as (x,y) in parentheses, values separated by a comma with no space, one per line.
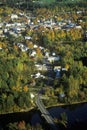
(53,58)
(14,16)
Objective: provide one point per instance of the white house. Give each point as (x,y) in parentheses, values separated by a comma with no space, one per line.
(18,24)
(57,68)
(32,95)
(33,53)
(53,53)
(8,25)
(35,46)
(47,54)
(14,16)
(0,48)
(1,31)
(28,38)
(5,30)
(1,24)
(53,58)
(41,67)
(64,69)
(41,48)
(24,49)
(78,27)
(38,75)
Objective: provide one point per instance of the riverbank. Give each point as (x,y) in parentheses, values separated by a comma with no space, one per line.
(48,106)
(21,110)
(76,115)
(66,104)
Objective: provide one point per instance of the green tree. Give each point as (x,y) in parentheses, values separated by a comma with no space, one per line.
(21,101)
(73,88)
(10,101)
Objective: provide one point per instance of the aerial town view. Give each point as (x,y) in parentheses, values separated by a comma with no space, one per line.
(43,64)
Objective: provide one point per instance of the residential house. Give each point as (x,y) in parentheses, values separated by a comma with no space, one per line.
(64,69)
(28,38)
(47,54)
(38,75)
(57,68)
(78,27)
(14,16)
(22,47)
(0,48)
(41,67)
(1,24)
(35,46)
(1,32)
(32,53)
(53,58)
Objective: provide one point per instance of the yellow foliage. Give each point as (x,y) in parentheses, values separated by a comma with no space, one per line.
(67,66)
(1,10)
(0,46)
(29,44)
(59,18)
(14,88)
(72,93)
(39,52)
(69,54)
(25,88)
(75,34)
(17,88)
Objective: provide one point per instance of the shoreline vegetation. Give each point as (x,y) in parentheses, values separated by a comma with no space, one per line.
(62,123)
(47,107)
(67,104)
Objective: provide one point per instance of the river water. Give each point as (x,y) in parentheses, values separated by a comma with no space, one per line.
(76,116)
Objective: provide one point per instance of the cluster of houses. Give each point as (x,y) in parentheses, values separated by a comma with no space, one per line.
(47,57)
(47,61)
(15,28)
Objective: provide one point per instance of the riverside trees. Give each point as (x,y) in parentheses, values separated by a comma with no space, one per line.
(12,85)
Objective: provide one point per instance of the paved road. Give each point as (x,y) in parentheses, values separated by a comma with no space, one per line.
(45,113)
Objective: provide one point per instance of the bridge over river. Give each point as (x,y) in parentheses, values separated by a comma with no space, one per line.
(45,113)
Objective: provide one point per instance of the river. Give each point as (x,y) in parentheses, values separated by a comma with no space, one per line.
(76,115)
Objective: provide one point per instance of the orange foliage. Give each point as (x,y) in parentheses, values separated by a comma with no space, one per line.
(29,44)
(21,125)
(25,88)
(15,47)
